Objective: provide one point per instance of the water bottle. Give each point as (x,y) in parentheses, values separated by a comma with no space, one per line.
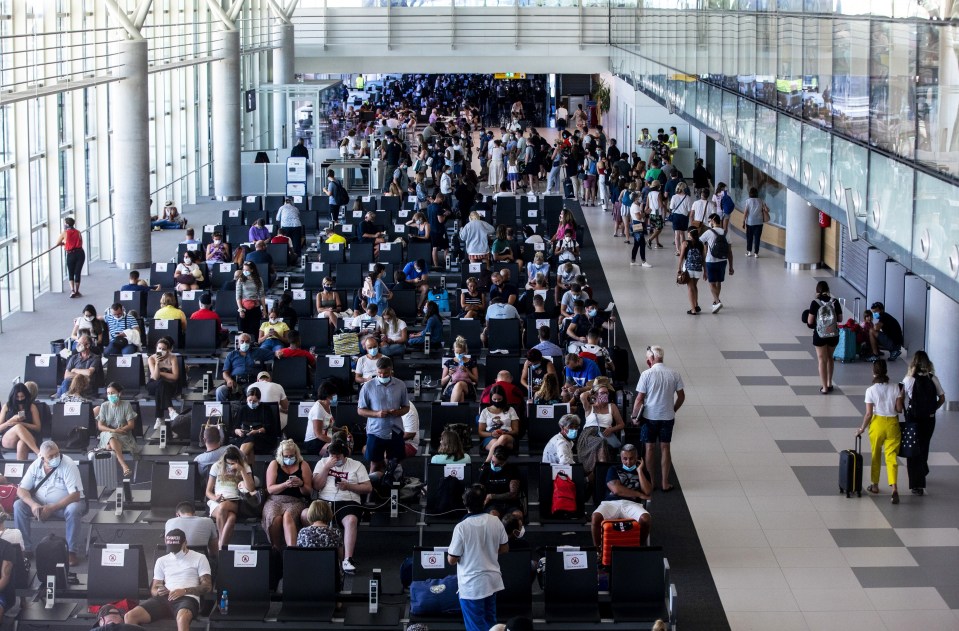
(224,603)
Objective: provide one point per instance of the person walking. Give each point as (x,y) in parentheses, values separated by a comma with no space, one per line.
(883,404)
(637,226)
(718,255)
(659,394)
(72,241)
(755,214)
(824,325)
(691,260)
(924,395)
(477,542)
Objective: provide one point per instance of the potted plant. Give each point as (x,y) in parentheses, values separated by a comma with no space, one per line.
(601,94)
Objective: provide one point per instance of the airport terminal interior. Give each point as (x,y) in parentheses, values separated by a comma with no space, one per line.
(321,160)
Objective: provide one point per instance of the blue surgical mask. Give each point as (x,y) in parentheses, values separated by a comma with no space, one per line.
(244,346)
(572,433)
(496,468)
(53,463)
(253,404)
(384,380)
(289,461)
(334,399)
(246,273)
(113,398)
(591,313)
(629,468)
(373,351)
(875,315)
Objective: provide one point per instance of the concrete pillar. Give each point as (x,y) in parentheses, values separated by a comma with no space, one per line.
(942,343)
(803,234)
(131,164)
(226,116)
(282,74)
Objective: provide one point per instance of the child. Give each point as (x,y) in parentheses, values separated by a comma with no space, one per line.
(512,172)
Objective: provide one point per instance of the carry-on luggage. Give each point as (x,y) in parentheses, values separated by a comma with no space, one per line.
(568,189)
(850,470)
(619,532)
(847,350)
(104,469)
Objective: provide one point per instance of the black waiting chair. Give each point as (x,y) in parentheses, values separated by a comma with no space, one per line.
(309,585)
(171,483)
(245,575)
(46,370)
(116,571)
(571,595)
(639,587)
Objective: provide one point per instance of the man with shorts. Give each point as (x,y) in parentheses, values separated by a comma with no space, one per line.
(341,481)
(180,578)
(659,394)
(716,265)
(383,401)
(628,488)
(502,482)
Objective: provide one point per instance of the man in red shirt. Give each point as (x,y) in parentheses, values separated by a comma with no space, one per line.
(206,312)
(514,394)
(294,350)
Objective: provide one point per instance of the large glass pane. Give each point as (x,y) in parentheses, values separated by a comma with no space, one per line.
(815,160)
(938,141)
(6,203)
(817,71)
(935,237)
(850,81)
(888,219)
(728,123)
(749,175)
(767,43)
(891,98)
(38,198)
(789,74)
(766,134)
(6,134)
(715,107)
(849,163)
(788,145)
(746,124)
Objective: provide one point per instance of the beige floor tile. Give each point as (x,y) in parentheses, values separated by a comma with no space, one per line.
(925,620)
(758,600)
(845,620)
(750,578)
(838,578)
(906,598)
(819,599)
(878,557)
(766,620)
(809,557)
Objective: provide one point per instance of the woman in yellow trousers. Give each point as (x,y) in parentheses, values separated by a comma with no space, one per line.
(884,401)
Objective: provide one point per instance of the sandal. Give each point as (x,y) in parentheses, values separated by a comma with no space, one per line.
(691,312)
(895,497)
(824,391)
(873,488)
(127,473)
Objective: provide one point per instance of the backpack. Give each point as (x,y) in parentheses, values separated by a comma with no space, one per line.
(449,495)
(50,552)
(564,496)
(826,325)
(694,260)
(441,297)
(924,400)
(719,248)
(340,196)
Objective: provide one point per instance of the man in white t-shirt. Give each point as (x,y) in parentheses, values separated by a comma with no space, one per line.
(562,114)
(559,449)
(341,480)
(477,541)
(272,393)
(200,531)
(716,265)
(659,394)
(320,420)
(180,578)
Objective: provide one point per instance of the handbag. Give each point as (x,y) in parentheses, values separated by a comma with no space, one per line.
(564,494)
(8,495)
(215,419)
(249,304)
(682,278)
(909,444)
(346,344)
(435,596)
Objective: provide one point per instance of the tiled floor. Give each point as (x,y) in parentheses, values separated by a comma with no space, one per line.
(755,451)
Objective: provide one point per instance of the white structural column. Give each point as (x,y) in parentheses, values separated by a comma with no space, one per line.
(803,234)
(226,117)
(283,56)
(131,168)
(943,350)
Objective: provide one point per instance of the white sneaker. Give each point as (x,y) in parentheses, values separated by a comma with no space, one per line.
(755,255)
(173,415)
(158,424)
(348,566)
(645,264)
(717,306)
(633,263)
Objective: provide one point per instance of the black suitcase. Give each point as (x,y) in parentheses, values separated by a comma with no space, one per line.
(568,188)
(850,470)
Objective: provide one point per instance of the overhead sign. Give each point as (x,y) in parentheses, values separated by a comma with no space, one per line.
(509,75)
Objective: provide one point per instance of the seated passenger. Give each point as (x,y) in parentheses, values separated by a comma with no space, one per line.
(163,370)
(206,312)
(367,323)
(504,379)
(320,421)
(502,482)
(472,300)
(418,275)
(20,424)
(432,328)
(273,333)
(559,449)
(422,226)
(116,421)
(579,376)
(366,364)
(320,533)
(593,349)
(83,362)
(604,421)
(80,391)
(228,476)
(169,311)
(450,450)
(539,265)
(534,369)
(341,480)
(217,251)
(628,488)
(549,393)
(258,231)
(200,531)
(214,448)
(328,303)
(289,482)
(88,324)
(502,249)
(498,423)
(253,427)
(460,374)
(187,274)
(395,335)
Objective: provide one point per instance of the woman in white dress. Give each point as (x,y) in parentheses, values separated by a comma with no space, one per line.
(496,153)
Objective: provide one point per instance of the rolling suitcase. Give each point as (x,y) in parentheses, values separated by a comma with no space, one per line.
(568,189)
(105,469)
(850,470)
(847,350)
(623,533)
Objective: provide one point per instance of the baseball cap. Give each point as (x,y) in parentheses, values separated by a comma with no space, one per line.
(262,374)
(175,537)
(107,610)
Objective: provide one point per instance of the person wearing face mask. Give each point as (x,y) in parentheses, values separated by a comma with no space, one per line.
(418,275)
(340,481)
(886,334)
(84,362)
(289,481)
(421,227)
(89,324)
(319,422)
(239,367)
(366,364)
(51,488)
(498,423)
(72,241)
(228,476)
(383,401)
(328,302)
(217,251)
(253,427)
(271,392)
(432,328)
(115,422)
(187,274)
(273,332)
(517,532)
(603,425)
(250,298)
(460,374)
(502,482)
(169,311)
(180,578)
(559,449)
(206,312)
(628,487)
(20,424)
(123,331)
(395,334)
(593,349)
(659,395)
(163,368)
